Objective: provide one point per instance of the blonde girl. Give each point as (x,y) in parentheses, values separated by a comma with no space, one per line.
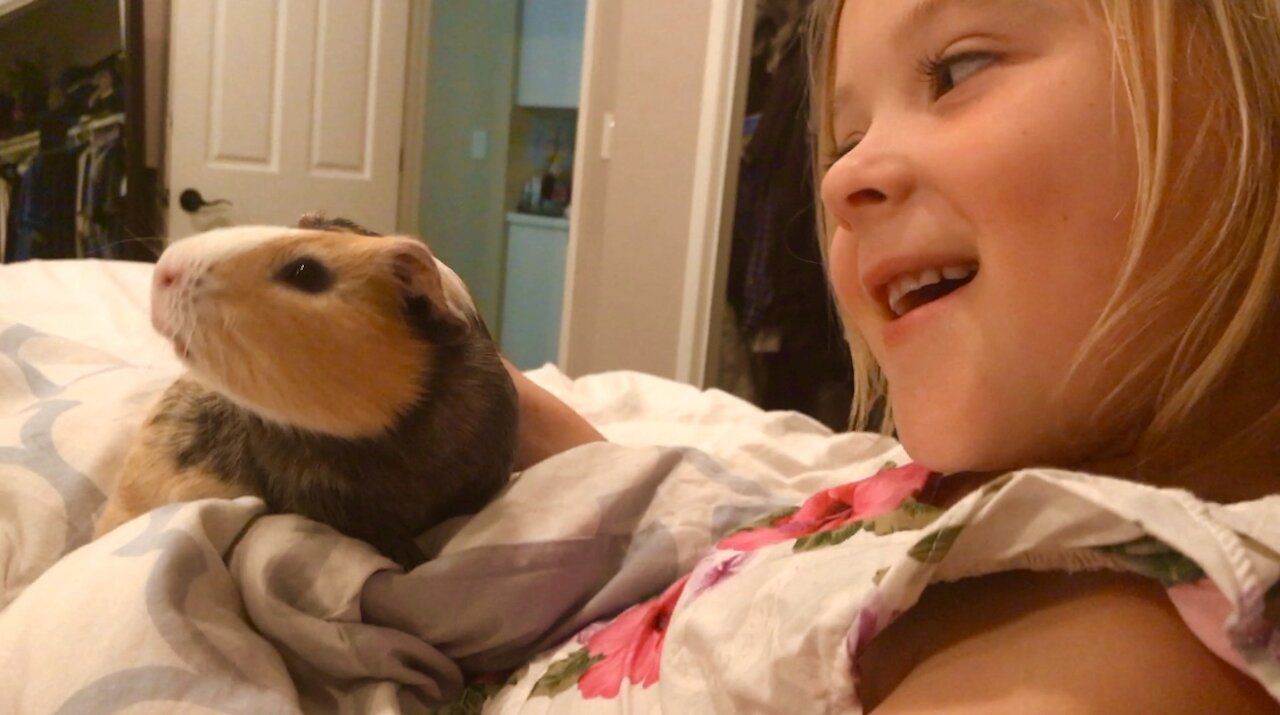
(1052,229)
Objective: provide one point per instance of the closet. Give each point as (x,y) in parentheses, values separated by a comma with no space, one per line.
(65,129)
(781,344)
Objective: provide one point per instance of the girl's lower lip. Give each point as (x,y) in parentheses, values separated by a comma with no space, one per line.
(899,330)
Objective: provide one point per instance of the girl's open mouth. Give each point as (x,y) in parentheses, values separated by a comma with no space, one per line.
(913,290)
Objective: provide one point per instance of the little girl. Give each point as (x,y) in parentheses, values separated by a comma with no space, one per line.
(1052,228)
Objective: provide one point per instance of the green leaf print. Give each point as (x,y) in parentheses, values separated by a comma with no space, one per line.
(910,516)
(1153,558)
(827,538)
(471,701)
(933,548)
(564,674)
(767,520)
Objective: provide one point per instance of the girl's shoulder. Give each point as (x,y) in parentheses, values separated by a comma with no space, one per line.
(1049,642)
(1091,594)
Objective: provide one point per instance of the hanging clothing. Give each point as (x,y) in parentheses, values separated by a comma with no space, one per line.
(777,286)
(100,199)
(69,198)
(46,210)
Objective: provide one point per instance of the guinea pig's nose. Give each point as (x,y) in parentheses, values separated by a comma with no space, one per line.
(167,276)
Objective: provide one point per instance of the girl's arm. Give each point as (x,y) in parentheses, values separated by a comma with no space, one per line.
(547,425)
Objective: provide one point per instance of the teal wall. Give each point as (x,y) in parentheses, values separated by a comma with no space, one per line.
(471,86)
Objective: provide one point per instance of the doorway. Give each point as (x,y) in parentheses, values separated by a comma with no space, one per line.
(498,134)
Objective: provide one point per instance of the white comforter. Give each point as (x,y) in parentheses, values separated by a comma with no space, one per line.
(217,607)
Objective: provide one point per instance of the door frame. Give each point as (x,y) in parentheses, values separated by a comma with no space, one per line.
(716,161)
(413,130)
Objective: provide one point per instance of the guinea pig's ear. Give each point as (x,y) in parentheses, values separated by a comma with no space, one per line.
(421,275)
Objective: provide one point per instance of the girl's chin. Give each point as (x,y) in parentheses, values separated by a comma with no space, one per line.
(951,449)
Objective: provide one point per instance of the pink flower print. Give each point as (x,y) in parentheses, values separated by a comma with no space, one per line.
(873,618)
(1205,611)
(631,646)
(832,509)
(709,573)
(585,634)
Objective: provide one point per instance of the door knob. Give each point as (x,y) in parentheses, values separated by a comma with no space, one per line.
(191,201)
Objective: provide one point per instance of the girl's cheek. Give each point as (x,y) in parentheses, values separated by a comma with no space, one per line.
(843,271)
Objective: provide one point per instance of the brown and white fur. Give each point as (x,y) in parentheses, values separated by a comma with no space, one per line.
(334,373)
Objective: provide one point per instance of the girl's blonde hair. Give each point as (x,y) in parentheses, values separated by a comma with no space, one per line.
(1230,263)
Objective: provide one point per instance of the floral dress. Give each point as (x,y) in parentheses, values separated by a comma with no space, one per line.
(774,618)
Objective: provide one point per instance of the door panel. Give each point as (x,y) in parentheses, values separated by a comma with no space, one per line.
(281,107)
(345,102)
(246,87)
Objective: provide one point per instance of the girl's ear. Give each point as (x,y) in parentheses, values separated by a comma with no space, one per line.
(422,277)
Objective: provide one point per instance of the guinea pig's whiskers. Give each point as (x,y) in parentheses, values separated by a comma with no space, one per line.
(100,251)
(224,347)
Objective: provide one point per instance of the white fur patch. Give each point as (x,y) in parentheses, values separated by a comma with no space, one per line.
(455,292)
(218,245)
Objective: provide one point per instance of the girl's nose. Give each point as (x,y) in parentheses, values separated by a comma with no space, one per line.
(866,181)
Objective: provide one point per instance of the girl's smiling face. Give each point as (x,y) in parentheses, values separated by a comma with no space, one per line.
(983,198)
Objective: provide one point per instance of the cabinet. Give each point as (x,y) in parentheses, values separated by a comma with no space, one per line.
(550,63)
(534,289)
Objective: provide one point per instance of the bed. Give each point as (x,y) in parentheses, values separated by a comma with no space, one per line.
(217,606)
(225,609)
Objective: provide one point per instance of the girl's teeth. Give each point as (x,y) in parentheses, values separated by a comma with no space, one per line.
(906,284)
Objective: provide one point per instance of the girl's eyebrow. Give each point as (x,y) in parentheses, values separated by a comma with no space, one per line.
(927,12)
(923,13)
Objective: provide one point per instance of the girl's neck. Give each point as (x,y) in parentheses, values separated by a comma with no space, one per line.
(1222,460)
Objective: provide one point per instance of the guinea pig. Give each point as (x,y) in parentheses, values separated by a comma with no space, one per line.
(335,373)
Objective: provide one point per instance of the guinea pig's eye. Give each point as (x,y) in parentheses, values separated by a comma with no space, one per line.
(306,274)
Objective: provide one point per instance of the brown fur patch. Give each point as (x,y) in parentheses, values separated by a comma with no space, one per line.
(342,362)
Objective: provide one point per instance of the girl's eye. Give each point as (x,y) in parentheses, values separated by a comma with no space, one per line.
(944,73)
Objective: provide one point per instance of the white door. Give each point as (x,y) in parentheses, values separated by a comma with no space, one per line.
(280,107)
